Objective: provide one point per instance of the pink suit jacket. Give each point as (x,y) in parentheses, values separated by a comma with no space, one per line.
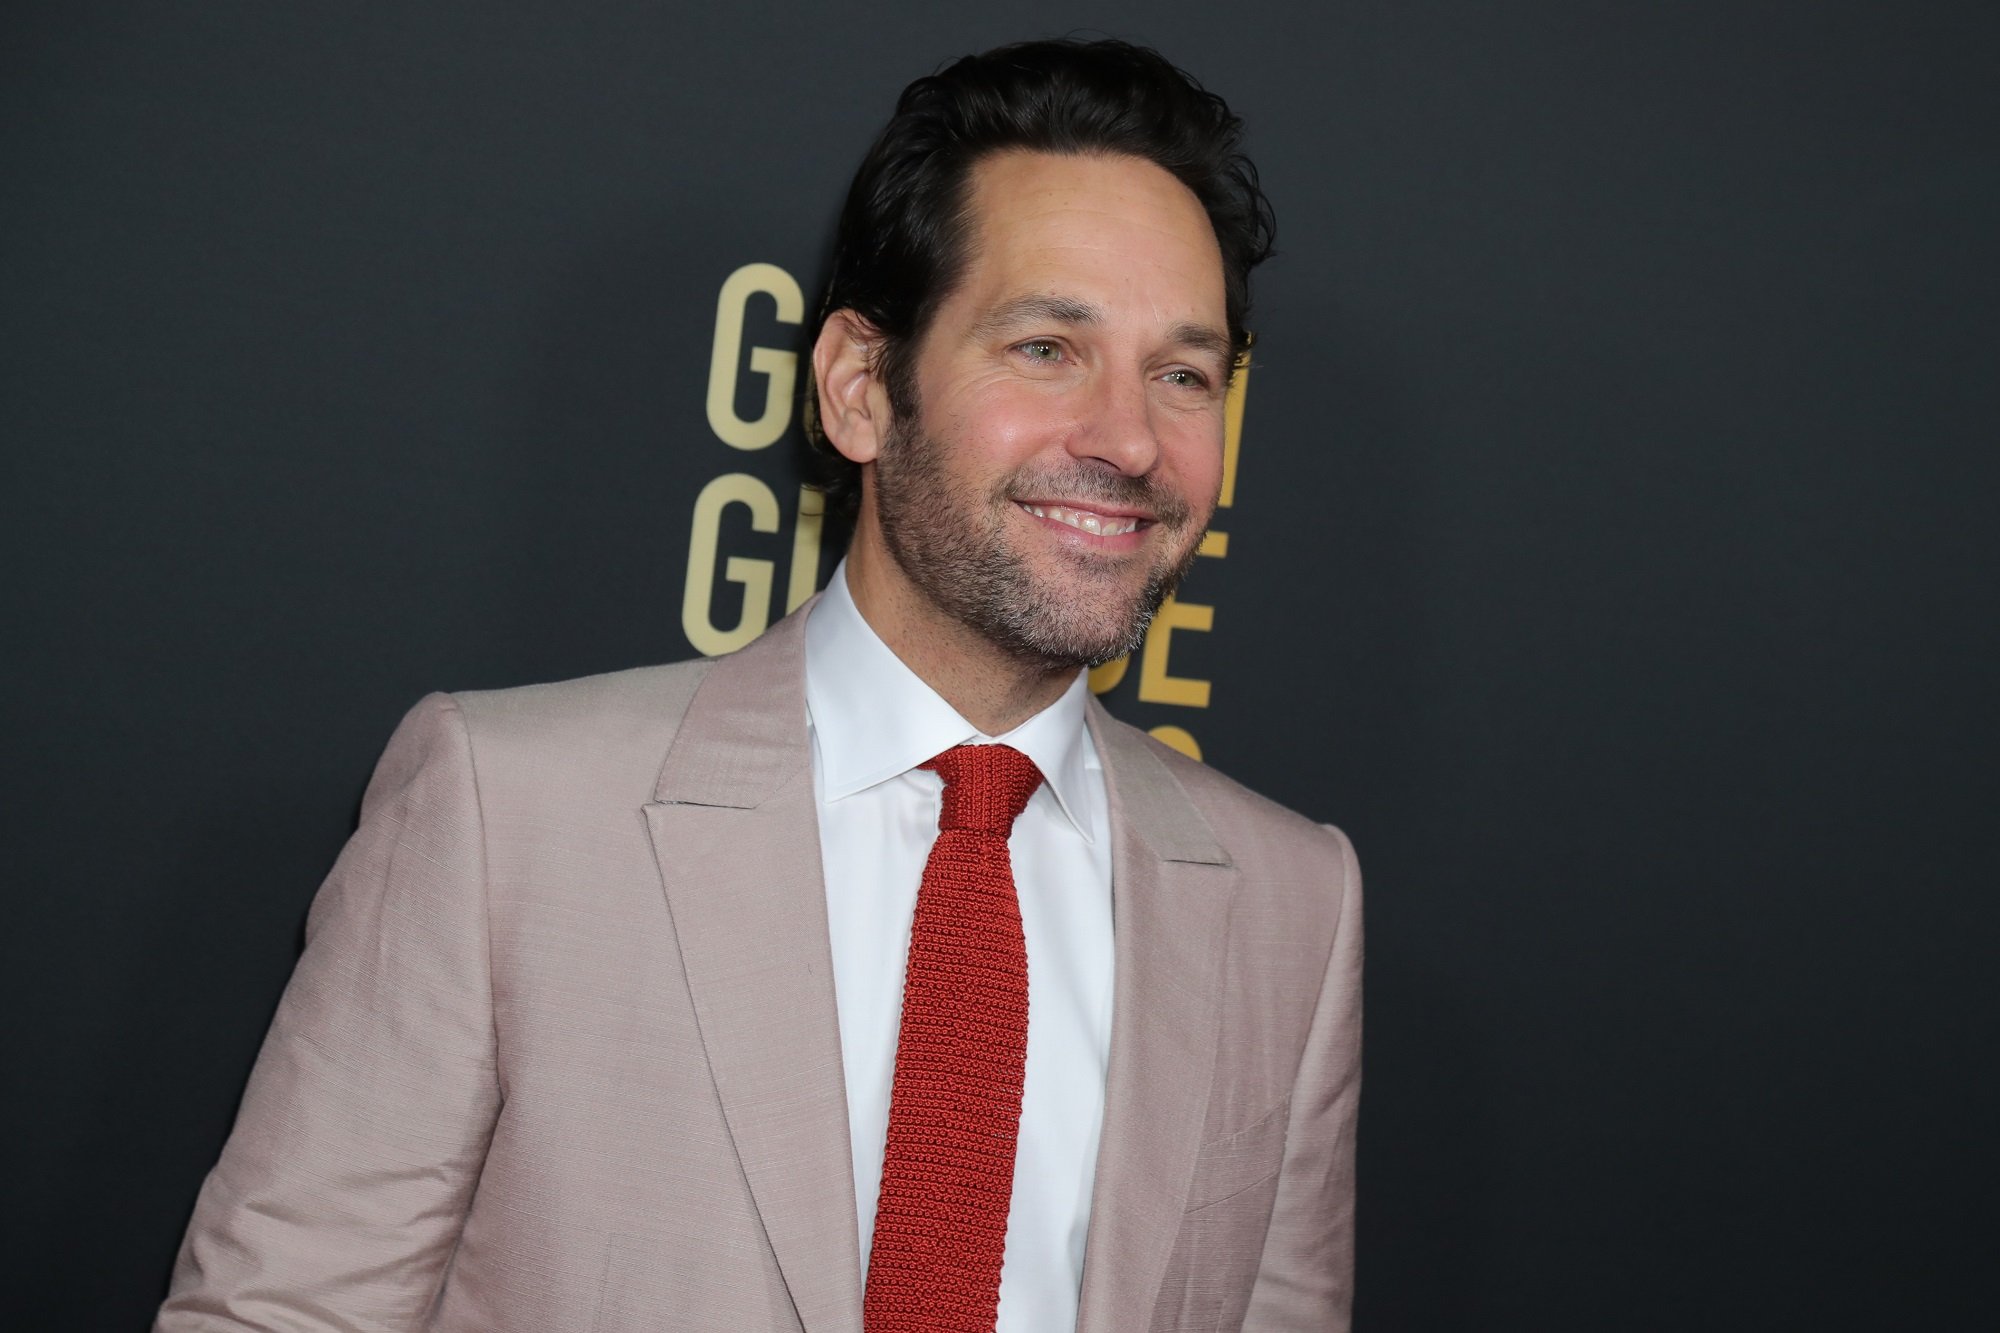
(561,1051)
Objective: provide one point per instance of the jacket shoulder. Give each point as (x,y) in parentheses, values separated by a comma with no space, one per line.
(1241,818)
(636,693)
(617,723)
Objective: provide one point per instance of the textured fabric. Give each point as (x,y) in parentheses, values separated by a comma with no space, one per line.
(561,1054)
(873,723)
(955,1111)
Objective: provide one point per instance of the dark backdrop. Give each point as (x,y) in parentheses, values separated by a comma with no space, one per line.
(1610,554)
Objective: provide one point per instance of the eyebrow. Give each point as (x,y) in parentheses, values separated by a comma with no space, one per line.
(1202,338)
(1034,309)
(1039,307)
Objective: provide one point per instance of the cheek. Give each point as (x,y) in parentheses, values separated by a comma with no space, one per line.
(1010,424)
(1193,453)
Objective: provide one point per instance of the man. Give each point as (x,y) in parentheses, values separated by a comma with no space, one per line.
(872,977)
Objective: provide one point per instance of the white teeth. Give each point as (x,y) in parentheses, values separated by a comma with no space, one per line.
(1096,524)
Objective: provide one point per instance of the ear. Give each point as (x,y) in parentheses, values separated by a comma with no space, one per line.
(853,405)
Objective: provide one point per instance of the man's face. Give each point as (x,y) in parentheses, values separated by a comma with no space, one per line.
(1067,448)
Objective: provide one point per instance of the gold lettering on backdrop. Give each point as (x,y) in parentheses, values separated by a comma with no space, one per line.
(756,575)
(1157,684)
(704,542)
(779,368)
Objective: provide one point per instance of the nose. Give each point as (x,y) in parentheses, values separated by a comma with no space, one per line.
(1117,426)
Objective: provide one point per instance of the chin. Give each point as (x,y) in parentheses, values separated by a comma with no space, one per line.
(1062,626)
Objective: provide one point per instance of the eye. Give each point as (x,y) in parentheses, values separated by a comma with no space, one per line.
(1045,350)
(1187,379)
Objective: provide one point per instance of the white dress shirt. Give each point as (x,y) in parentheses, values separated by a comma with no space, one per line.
(873,721)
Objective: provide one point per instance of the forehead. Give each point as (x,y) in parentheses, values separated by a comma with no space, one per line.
(1119,232)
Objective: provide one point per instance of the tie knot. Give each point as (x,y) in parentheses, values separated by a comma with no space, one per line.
(985,787)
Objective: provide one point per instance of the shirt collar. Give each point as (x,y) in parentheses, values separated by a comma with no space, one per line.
(874,719)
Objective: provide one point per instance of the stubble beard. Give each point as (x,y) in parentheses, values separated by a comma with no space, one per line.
(964,564)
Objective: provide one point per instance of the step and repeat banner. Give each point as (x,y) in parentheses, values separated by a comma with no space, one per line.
(1603,545)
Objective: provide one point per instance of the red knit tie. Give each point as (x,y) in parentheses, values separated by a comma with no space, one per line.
(955,1107)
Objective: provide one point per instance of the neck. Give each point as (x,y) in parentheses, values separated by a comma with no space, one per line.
(992,690)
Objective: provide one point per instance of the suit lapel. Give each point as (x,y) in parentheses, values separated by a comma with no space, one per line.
(1171,886)
(735,830)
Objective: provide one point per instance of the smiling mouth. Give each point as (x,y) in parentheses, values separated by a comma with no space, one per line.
(1084,520)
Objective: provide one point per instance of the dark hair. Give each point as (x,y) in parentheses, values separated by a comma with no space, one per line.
(900,247)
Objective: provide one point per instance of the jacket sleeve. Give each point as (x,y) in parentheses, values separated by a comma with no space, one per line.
(340,1194)
(1306,1278)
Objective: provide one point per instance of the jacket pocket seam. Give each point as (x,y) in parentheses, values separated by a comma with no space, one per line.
(1276,1119)
(1235,1193)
